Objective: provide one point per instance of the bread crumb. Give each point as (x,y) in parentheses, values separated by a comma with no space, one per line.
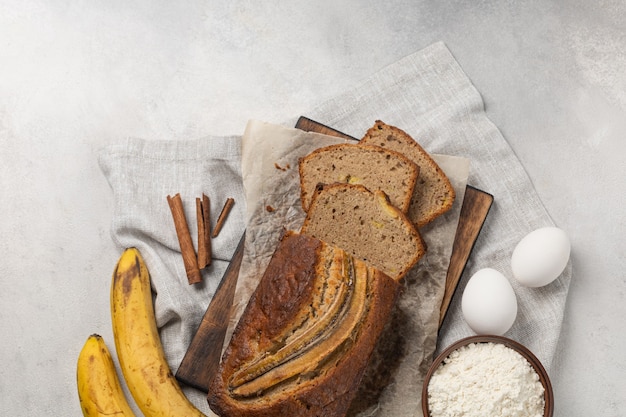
(285,168)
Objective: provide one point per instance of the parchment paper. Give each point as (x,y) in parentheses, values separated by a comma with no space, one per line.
(270,156)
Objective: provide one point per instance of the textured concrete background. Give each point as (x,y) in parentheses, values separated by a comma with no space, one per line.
(77,75)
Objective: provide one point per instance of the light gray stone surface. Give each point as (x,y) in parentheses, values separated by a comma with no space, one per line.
(75,76)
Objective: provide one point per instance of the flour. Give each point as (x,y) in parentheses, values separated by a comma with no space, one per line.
(485,379)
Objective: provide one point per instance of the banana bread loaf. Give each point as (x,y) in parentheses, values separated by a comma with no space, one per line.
(306,335)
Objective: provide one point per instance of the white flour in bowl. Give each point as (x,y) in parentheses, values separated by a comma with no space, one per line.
(485,379)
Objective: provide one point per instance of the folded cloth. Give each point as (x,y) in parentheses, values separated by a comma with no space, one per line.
(426,94)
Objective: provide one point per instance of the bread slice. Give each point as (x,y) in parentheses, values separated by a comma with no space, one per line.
(372,166)
(305,338)
(433,194)
(366,225)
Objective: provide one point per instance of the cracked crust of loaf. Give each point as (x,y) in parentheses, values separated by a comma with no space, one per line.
(433,194)
(285,288)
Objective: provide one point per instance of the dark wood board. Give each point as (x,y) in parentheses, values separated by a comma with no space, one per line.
(203,355)
(308,125)
(476,205)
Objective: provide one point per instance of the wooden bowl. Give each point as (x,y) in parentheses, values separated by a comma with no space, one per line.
(516,346)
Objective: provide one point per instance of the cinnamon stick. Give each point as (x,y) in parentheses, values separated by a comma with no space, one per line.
(222,217)
(203,214)
(206,213)
(184,239)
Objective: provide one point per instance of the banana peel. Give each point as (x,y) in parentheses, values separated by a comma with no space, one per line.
(99,388)
(142,359)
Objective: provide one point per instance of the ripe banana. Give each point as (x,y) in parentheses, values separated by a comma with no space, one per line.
(99,388)
(138,344)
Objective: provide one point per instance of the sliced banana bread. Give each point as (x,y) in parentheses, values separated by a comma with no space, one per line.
(433,194)
(371,166)
(366,225)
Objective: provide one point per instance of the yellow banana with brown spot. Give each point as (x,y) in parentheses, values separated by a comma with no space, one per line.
(138,344)
(99,388)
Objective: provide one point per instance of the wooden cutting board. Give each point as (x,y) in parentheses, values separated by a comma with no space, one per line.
(203,355)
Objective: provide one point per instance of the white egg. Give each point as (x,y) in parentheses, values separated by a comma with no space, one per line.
(540,257)
(489,304)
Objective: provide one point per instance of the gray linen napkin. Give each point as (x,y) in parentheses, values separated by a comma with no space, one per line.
(428,95)
(142,174)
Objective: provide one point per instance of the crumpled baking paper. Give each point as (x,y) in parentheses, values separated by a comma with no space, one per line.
(393,381)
